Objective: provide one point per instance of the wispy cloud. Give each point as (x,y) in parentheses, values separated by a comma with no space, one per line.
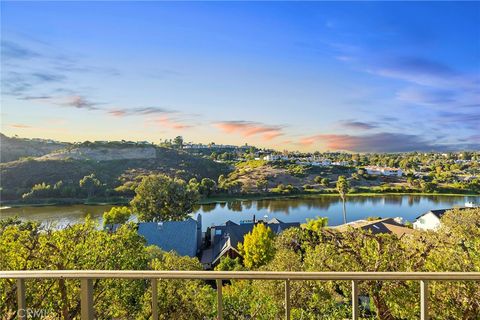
(12,50)
(122,112)
(250,128)
(426,96)
(358,125)
(20,126)
(73,101)
(379,142)
(172,123)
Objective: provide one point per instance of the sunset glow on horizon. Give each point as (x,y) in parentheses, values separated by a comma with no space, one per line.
(345,76)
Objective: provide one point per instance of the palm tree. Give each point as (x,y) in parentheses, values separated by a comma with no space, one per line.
(342,187)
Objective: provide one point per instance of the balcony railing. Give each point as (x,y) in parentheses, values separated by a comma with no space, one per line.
(87,276)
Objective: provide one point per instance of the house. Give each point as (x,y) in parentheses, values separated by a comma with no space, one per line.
(384,171)
(340,163)
(223,240)
(430,220)
(183,237)
(275,157)
(387,225)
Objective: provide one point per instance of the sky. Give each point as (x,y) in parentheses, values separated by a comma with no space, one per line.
(326,76)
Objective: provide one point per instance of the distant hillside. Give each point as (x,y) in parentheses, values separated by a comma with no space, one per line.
(113,164)
(103,153)
(12,148)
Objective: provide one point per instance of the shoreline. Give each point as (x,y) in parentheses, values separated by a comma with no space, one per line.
(224,199)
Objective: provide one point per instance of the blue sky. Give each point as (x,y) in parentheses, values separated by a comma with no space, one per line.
(353,76)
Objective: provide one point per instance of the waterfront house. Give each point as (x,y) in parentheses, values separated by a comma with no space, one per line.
(430,220)
(183,237)
(223,240)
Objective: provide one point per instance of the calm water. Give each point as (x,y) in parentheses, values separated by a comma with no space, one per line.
(288,210)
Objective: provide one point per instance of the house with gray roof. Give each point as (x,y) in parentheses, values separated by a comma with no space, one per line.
(183,237)
(223,240)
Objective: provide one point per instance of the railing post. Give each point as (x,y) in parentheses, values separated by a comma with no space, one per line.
(219,300)
(287,299)
(355,309)
(86,299)
(21,300)
(154,299)
(423,300)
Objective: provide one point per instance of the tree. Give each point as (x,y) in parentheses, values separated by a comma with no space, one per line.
(262,184)
(193,184)
(161,198)
(116,215)
(342,188)
(221,181)
(258,246)
(229,264)
(207,186)
(427,187)
(316,224)
(90,184)
(178,142)
(325,182)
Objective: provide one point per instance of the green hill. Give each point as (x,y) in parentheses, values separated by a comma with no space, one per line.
(18,177)
(14,148)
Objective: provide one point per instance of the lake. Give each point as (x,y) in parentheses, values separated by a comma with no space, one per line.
(286,209)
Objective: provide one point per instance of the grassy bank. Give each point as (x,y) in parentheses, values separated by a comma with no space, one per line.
(64,202)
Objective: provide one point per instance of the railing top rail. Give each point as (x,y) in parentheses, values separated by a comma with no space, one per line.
(253,275)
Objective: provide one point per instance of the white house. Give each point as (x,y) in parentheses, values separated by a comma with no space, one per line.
(384,171)
(430,220)
(275,157)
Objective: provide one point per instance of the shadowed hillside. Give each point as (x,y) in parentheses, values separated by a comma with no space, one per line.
(13,148)
(111,164)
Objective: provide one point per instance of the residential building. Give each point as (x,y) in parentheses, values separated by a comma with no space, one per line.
(384,171)
(183,237)
(388,225)
(275,157)
(431,220)
(223,240)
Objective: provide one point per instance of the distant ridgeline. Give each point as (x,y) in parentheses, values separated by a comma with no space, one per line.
(56,168)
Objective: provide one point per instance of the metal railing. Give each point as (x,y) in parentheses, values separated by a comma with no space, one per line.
(87,276)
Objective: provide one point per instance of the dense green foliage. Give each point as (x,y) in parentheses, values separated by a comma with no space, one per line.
(116,215)
(161,198)
(454,247)
(258,246)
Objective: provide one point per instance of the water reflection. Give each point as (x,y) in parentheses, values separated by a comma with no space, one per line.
(288,209)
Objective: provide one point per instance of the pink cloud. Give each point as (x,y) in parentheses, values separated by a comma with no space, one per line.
(20,126)
(249,128)
(378,142)
(172,123)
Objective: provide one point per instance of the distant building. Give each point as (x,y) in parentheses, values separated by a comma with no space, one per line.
(387,225)
(275,157)
(340,163)
(431,220)
(384,171)
(223,240)
(183,237)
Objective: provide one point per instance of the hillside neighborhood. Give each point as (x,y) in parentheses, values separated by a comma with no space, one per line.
(221,241)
